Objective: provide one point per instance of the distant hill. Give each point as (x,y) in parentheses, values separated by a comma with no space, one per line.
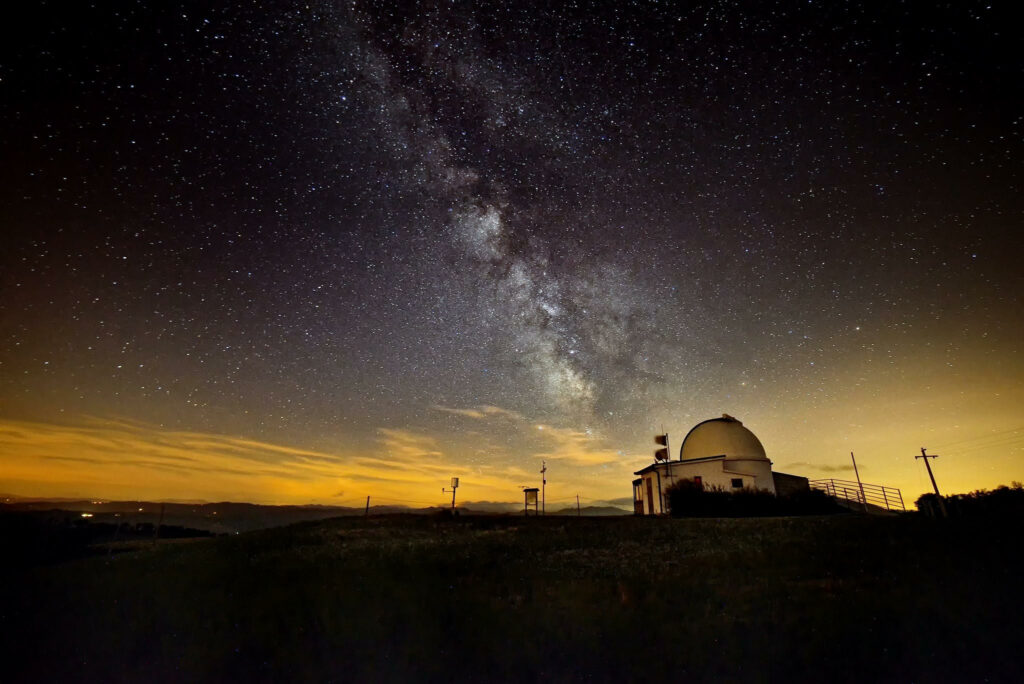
(227,517)
(592,511)
(220,518)
(492,507)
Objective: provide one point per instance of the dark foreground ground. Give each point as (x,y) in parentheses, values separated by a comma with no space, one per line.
(841,598)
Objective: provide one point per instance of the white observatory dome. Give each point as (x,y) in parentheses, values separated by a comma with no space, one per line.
(721,436)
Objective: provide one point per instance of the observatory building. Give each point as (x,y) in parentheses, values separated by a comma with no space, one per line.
(718,452)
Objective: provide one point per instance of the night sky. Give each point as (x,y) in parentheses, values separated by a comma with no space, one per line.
(310,252)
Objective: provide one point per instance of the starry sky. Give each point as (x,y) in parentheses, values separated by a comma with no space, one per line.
(309,252)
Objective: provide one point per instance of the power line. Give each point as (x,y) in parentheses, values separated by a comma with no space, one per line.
(980,438)
(1002,444)
(403,501)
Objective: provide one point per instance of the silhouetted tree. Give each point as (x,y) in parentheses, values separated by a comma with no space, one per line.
(999,502)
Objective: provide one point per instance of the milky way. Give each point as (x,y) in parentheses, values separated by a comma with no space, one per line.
(506,232)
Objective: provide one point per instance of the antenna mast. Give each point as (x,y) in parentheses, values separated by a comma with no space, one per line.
(543,484)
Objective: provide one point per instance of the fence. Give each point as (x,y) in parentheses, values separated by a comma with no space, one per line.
(886,498)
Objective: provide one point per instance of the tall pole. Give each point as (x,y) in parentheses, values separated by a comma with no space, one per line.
(662,439)
(668,461)
(543,485)
(577,505)
(455,485)
(926,456)
(863,499)
(366,513)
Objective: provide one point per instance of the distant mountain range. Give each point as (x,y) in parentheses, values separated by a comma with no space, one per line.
(592,511)
(228,517)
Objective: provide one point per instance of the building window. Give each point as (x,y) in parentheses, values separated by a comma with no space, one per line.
(737,483)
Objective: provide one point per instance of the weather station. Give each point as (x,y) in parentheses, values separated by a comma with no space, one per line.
(455,485)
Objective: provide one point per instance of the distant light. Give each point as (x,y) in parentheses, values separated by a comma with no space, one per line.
(87,515)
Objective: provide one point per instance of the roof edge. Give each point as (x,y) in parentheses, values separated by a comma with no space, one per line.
(667,464)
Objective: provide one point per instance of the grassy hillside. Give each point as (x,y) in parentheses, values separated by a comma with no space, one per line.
(412,598)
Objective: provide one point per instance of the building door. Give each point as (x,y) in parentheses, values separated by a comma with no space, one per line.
(650,497)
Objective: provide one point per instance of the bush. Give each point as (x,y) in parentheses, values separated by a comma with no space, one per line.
(981,503)
(687,499)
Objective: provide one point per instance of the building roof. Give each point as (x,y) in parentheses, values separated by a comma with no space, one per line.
(721,436)
(667,464)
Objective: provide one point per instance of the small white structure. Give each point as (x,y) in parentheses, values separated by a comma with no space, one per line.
(719,452)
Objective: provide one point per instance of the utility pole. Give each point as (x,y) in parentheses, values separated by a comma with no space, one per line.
(455,485)
(863,499)
(366,513)
(543,485)
(925,456)
(577,505)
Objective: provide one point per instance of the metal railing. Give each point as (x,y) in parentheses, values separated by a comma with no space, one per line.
(886,498)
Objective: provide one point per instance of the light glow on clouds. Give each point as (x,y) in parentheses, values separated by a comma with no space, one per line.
(119,459)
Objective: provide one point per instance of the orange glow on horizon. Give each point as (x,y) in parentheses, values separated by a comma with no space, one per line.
(116,459)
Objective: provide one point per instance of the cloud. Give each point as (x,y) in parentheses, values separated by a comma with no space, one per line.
(821,468)
(123,459)
(405,445)
(117,459)
(482,412)
(123,452)
(580,447)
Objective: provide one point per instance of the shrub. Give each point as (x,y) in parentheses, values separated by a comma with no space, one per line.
(687,499)
(1001,501)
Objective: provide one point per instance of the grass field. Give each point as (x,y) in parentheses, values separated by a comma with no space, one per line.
(413,598)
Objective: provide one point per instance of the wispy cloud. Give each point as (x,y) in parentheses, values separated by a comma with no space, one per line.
(132,459)
(405,445)
(124,459)
(482,412)
(821,468)
(579,447)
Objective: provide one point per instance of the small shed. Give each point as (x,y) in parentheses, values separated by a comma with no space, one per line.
(530,500)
